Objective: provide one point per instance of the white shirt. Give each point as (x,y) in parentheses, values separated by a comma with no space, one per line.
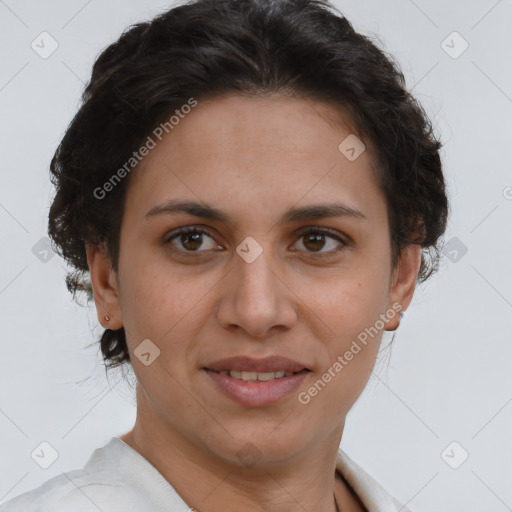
(116,478)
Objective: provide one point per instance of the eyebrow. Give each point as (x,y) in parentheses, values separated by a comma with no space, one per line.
(207,211)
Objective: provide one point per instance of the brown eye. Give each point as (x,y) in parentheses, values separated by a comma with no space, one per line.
(316,239)
(191,239)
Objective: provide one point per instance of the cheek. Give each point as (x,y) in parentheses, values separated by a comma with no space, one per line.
(352,315)
(352,310)
(350,302)
(159,304)
(151,298)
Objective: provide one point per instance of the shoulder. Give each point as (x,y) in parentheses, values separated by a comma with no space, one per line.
(98,486)
(75,491)
(370,492)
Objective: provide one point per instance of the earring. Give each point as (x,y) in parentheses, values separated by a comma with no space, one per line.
(107,318)
(394,333)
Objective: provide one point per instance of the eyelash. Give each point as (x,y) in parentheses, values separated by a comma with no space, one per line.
(316,230)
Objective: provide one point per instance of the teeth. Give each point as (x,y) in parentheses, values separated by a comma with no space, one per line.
(256,376)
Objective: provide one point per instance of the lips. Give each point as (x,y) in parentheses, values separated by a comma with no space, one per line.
(256,394)
(265,365)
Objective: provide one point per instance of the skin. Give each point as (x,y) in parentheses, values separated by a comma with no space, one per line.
(253,158)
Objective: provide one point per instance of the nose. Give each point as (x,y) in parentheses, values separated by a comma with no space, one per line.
(255,297)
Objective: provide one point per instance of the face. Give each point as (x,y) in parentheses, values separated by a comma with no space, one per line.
(257,283)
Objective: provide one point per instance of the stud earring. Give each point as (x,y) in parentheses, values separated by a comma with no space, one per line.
(107,318)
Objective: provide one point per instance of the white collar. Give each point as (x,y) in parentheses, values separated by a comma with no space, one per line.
(371,494)
(122,455)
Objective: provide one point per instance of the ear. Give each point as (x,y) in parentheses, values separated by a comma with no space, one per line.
(403,282)
(105,286)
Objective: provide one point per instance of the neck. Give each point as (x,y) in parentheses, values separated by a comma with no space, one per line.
(209,481)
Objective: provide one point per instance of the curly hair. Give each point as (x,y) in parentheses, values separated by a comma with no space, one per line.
(203,48)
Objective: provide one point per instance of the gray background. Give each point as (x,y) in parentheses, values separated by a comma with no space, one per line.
(448,377)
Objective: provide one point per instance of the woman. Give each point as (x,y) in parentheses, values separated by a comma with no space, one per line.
(252,193)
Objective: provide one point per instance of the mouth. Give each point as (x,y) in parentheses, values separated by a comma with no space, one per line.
(256,382)
(247,368)
(256,389)
(250,376)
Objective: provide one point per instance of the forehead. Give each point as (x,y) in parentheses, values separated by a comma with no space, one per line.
(242,123)
(264,153)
